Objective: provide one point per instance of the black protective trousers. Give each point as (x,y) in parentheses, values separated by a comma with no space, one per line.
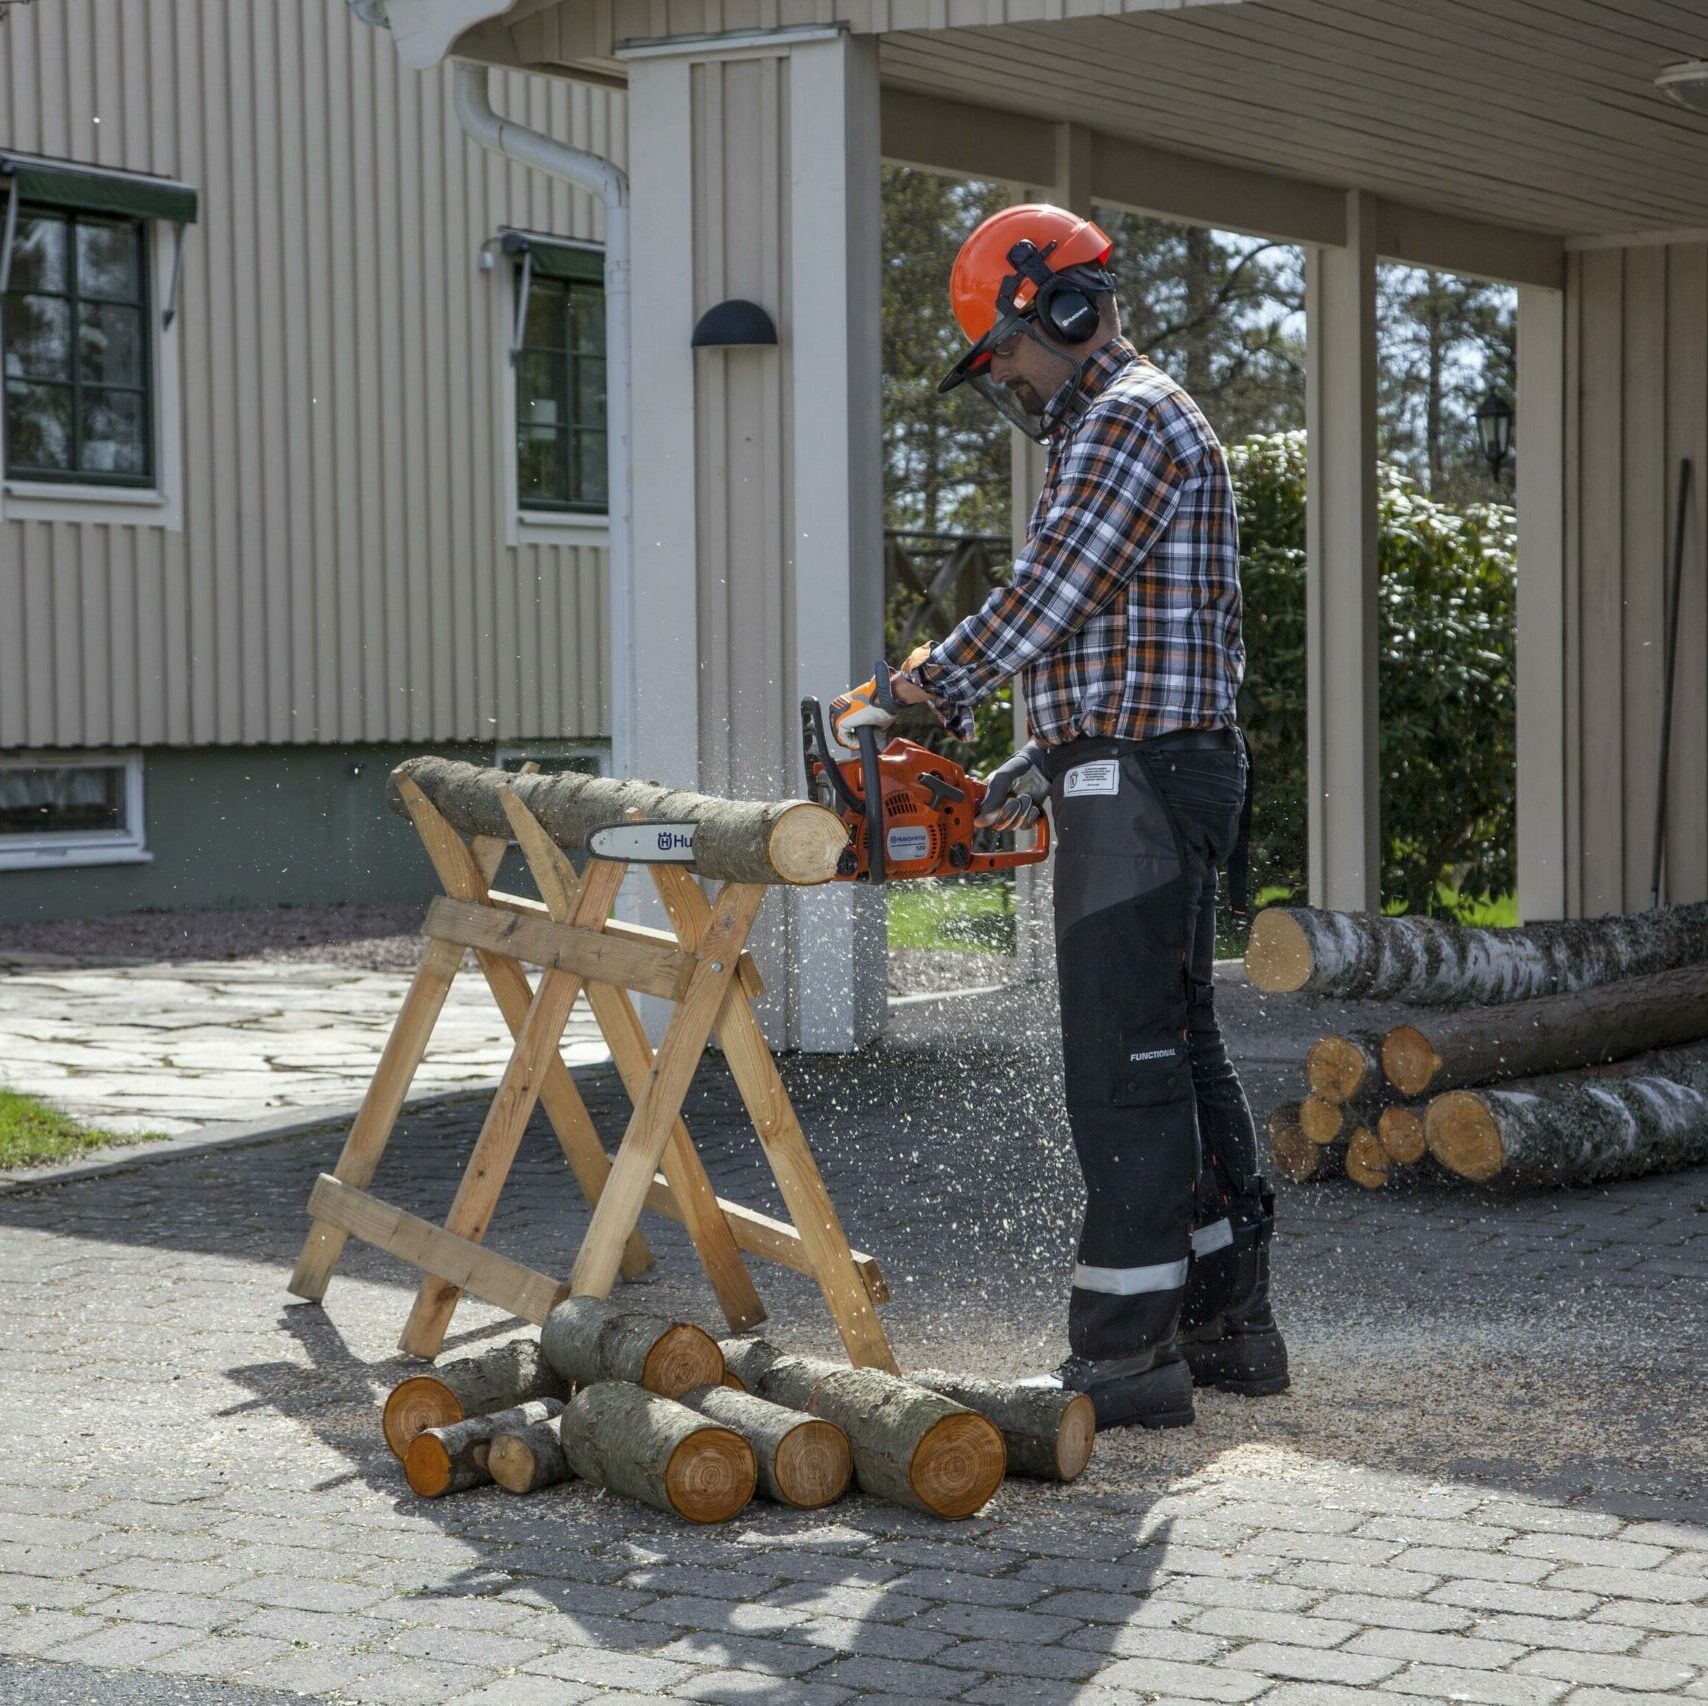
(1159,1119)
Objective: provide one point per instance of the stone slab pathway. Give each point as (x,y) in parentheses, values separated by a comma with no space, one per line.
(174,1047)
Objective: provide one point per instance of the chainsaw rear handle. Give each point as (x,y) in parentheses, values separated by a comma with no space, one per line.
(1014,858)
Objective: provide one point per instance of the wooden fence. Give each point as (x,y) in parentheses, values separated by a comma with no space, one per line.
(932,580)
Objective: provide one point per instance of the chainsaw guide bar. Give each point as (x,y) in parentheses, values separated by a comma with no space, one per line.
(644,843)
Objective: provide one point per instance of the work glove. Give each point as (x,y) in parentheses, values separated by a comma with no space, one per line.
(871,704)
(1015,792)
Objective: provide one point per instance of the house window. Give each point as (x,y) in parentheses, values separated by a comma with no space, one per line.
(76,334)
(82,809)
(560,383)
(553,757)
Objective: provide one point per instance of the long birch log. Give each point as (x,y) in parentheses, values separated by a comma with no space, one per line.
(587,1339)
(910,1446)
(528,1459)
(497,1379)
(1553,1033)
(452,1459)
(1047,1433)
(1341,1068)
(1431,962)
(803,1460)
(645,1447)
(744,841)
(1598,1127)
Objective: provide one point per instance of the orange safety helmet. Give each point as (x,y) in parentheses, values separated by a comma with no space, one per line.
(1006,272)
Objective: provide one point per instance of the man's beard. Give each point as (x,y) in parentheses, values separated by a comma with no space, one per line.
(1026,395)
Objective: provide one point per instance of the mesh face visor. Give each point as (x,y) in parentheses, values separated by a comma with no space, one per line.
(974,369)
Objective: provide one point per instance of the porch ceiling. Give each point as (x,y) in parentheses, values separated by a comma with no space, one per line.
(1536,114)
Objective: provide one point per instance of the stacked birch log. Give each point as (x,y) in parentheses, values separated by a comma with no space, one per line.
(1560,1053)
(659,1411)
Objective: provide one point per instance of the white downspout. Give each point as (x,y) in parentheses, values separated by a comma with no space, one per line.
(608,182)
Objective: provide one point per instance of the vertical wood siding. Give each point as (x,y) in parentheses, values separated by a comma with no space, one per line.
(1637,389)
(342,574)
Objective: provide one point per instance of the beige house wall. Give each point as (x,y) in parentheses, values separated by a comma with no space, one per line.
(341,573)
(1636,402)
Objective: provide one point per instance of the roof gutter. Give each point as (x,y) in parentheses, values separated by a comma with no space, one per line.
(471,93)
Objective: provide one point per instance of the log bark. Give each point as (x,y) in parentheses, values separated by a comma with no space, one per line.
(454,1458)
(498,1379)
(587,1339)
(1402,1134)
(1554,1033)
(1431,962)
(803,1460)
(1579,1132)
(910,1446)
(1342,1068)
(653,1449)
(1046,1433)
(528,1459)
(1367,1161)
(777,841)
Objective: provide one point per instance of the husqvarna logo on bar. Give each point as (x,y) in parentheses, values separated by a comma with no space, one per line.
(675,840)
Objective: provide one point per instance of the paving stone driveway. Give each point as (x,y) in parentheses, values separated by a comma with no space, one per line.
(1487,1485)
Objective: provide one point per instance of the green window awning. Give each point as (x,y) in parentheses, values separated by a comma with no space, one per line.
(95,189)
(551,257)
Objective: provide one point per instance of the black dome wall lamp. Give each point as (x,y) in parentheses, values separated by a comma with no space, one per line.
(1494,431)
(735,324)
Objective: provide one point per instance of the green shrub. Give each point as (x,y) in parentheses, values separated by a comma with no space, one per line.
(1447,696)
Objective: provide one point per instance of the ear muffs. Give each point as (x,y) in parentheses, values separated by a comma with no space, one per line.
(1063,307)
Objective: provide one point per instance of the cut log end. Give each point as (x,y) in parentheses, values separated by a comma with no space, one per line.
(1278,956)
(1366,1160)
(1409,1063)
(427,1466)
(711,1475)
(416,1404)
(683,1358)
(1337,1068)
(1294,1155)
(806,841)
(1320,1121)
(1402,1135)
(1464,1137)
(1078,1435)
(813,1464)
(958,1465)
(511,1462)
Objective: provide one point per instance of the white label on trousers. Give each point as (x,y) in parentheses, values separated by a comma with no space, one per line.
(1101,776)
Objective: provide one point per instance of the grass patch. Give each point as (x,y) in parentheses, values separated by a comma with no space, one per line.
(953,915)
(32,1134)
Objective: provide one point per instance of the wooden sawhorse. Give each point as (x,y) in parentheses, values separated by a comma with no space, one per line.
(704,970)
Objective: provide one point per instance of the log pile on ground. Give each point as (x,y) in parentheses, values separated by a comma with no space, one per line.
(752,1419)
(1538,1064)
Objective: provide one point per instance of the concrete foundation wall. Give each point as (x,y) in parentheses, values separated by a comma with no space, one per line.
(256,826)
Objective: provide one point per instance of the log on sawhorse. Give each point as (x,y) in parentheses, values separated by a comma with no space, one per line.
(704,970)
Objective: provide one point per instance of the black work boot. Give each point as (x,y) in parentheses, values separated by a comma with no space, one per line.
(1150,1390)
(1228,1334)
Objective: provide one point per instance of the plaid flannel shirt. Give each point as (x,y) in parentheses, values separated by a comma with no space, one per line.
(1123,616)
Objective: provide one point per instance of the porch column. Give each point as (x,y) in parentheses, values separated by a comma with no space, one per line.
(1540,439)
(1034,885)
(758,548)
(1342,576)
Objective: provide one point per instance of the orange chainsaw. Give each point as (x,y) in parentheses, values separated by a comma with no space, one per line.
(928,807)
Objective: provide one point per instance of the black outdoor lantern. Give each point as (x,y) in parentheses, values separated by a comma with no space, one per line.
(735,324)
(1494,431)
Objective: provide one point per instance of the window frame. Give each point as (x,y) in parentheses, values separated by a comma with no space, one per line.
(71,848)
(73,297)
(538,524)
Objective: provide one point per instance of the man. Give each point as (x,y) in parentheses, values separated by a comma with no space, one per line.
(1123,621)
